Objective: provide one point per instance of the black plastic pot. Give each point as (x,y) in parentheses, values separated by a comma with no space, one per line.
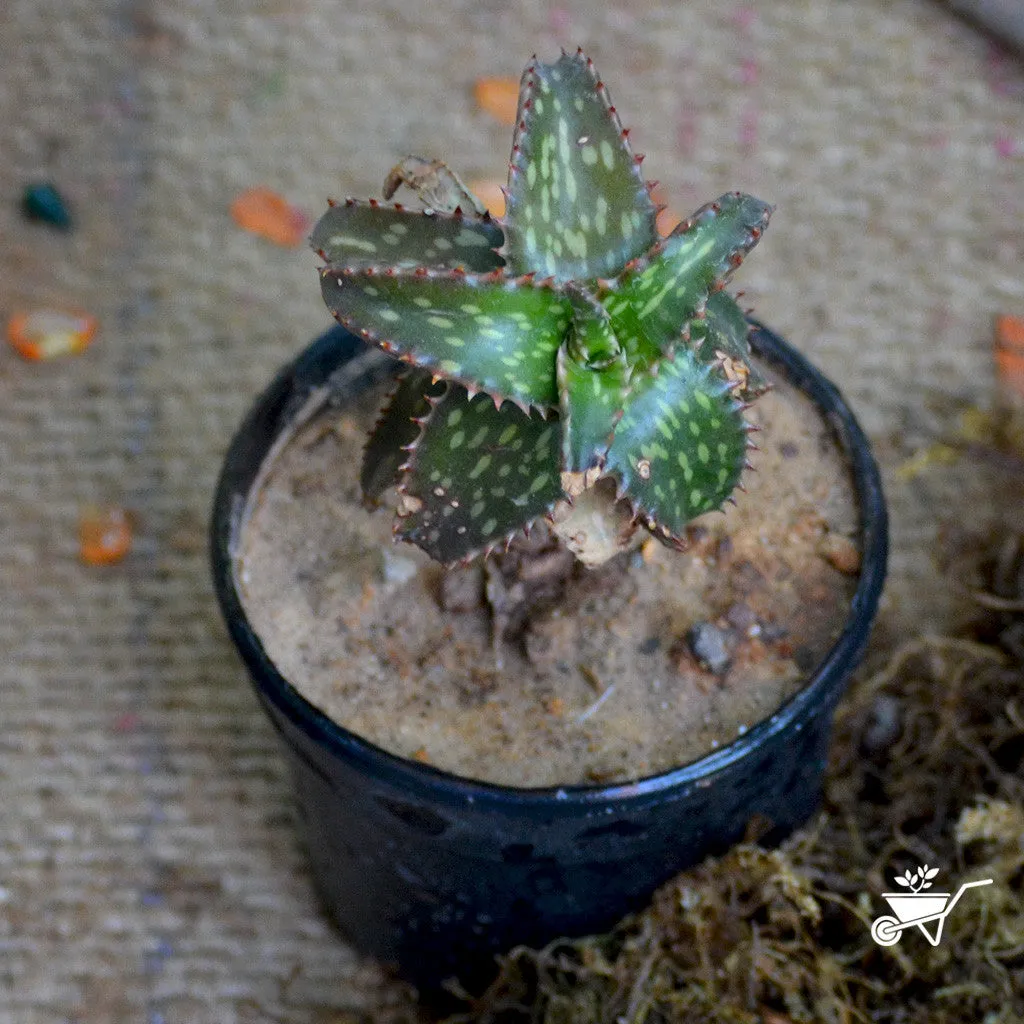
(437,873)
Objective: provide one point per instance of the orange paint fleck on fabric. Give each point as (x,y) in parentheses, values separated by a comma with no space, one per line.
(263,212)
(489,193)
(104,534)
(49,333)
(499,97)
(1009,352)
(667,218)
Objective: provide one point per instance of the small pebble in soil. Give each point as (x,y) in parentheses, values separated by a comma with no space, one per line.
(555,706)
(650,645)
(397,568)
(840,552)
(883,725)
(462,588)
(742,617)
(788,450)
(805,658)
(711,646)
(42,202)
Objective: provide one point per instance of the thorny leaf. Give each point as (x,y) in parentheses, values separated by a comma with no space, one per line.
(485,330)
(655,298)
(385,450)
(355,234)
(723,335)
(476,474)
(578,207)
(680,446)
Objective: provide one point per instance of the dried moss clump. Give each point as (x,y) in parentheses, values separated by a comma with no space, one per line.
(928,767)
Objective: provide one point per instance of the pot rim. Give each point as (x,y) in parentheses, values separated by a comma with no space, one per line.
(310,370)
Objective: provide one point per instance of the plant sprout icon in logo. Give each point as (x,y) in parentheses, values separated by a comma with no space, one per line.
(917,907)
(920,879)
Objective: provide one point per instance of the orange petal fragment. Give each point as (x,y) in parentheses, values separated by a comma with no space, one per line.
(1009,352)
(499,97)
(49,333)
(104,534)
(263,212)
(667,218)
(489,193)
(666,221)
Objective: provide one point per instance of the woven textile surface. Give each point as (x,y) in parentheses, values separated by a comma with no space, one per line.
(149,865)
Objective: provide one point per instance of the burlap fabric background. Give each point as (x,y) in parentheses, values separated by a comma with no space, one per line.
(149,870)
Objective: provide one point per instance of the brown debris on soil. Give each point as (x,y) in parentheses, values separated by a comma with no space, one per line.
(927,767)
(523,581)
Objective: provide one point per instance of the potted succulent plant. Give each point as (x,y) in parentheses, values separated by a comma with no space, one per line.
(564,369)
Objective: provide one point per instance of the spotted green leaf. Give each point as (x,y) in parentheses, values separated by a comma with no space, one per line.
(385,451)
(591,403)
(641,351)
(680,446)
(725,331)
(591,338)
(355,234)
(578,206)
(489,332)
(476,474)
(592,382)
(654,299)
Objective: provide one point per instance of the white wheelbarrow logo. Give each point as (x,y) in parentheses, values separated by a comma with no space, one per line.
(917,907)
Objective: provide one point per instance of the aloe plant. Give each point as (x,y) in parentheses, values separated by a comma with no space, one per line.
(560,344)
